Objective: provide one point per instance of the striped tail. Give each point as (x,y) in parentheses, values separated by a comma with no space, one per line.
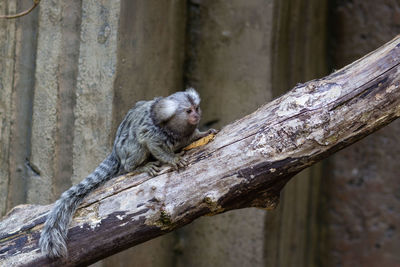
(54,234)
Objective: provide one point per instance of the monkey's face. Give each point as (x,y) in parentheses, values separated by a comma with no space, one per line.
(179,112)
(185,120)
(193,114)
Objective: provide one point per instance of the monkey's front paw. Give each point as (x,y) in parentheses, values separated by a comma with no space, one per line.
(212,131)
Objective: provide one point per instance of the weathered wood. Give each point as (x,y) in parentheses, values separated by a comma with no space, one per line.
(245,166)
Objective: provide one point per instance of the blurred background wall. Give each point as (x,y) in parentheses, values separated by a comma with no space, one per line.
(70,70)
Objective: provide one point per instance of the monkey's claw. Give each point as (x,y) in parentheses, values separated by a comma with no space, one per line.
(152,168)
(212,131)
(179,163)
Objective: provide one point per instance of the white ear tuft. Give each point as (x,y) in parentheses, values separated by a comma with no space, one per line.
(192,93)
(165,109)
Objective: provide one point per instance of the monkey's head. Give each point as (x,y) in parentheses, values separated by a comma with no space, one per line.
(179,112)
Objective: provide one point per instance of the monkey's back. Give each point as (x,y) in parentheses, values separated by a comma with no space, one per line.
(127,146)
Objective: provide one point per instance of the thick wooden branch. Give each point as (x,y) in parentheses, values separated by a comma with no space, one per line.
(246,165)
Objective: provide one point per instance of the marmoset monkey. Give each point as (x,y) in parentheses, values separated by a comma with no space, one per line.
(156,128)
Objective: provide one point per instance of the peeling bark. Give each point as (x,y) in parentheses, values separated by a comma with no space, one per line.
(246,165)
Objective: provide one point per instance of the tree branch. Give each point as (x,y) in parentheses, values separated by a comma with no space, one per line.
(246,165)
(23,13)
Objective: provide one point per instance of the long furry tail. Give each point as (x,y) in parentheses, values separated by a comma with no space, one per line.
(54,234)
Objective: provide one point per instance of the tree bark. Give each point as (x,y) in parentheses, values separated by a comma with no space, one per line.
(246,165)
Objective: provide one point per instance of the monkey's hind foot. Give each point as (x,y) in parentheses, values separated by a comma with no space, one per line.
(178,162)
(152,168)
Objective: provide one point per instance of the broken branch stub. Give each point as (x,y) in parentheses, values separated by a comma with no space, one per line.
(246,165)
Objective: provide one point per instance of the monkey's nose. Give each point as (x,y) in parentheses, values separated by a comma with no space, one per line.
(194,120)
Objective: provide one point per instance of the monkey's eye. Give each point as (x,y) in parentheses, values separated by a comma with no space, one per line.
(197,109)
(188,111)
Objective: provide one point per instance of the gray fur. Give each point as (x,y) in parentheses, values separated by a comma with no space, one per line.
(157,127)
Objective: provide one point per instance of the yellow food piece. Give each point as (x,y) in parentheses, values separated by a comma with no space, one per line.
(201,142)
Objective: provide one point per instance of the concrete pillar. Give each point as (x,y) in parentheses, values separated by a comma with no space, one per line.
(228,60)
(364,189)
(293,232)
(151,48)
(7,63)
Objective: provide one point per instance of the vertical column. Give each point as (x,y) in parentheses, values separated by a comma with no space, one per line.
(293,235)
(95,80)
(151,47)
(44,118)
(364,188)
(67,79)
(7,63)
(22,103)
(228,60)
(44,80)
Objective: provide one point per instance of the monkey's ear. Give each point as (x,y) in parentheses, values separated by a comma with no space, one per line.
(193,95)
(165,109)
